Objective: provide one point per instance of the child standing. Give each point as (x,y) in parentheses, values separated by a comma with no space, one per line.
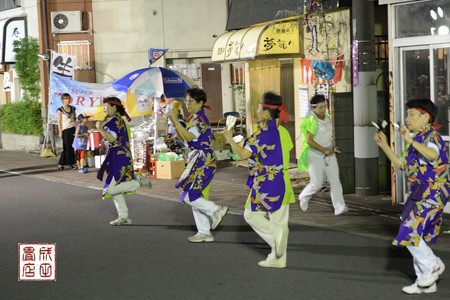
(80,142)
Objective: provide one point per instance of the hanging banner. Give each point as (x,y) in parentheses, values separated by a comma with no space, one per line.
(155,54)
(355,63)
(63,65)
(308,72)
(13,29)
(338,67)
(7,82)
(88,97)
(303,98)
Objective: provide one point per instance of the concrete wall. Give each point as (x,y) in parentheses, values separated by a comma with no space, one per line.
(17,142)
(124,30)
(28,9)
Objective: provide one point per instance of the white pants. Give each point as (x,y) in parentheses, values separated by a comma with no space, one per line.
(117,190)
(317,168)
(268,228)
(423,258)
(203,211)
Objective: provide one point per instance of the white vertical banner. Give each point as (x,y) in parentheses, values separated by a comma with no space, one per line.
(63,65)
(303,98)
(13,29)
(7,82)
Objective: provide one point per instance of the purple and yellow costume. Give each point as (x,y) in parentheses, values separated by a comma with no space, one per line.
(118,161)
(429,191)
(198,183)
(268,177)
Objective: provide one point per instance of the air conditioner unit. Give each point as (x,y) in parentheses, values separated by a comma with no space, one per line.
(66,21)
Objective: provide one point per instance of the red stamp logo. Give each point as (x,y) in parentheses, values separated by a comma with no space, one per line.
(37,262)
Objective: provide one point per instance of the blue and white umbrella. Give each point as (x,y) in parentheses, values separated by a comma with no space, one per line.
(153,82)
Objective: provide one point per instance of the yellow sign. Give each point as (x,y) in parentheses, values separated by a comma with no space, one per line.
(255,42)
(280,38)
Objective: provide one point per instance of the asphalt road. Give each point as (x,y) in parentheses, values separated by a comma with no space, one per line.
(153,260)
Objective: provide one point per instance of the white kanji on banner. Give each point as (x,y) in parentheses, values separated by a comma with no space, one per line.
(63,64)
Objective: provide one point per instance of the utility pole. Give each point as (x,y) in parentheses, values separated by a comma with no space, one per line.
(43,48)
(364,98)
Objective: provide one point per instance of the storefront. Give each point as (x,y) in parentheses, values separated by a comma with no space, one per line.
(277,57)
(266,52)
(420,50)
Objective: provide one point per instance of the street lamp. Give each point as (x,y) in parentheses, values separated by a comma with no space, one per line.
(44,56)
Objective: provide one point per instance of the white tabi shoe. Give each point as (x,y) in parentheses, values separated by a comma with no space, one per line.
(415,289)
(432,276)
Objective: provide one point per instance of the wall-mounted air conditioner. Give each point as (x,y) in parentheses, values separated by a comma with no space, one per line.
(66,21)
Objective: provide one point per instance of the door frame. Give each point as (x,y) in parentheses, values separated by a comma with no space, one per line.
(399,106)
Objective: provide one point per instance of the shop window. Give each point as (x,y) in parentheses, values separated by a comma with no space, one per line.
(416,64)
(80,49)
(7,5)
(441,95)
(237,74)
(381,50)
(422,18)
(191,70)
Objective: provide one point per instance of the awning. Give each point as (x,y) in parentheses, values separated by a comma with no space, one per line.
(281,39)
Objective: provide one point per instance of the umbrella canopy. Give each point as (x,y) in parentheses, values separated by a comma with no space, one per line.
(153,82)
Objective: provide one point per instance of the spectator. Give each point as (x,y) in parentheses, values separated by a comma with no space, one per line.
(66,131)
(80,142)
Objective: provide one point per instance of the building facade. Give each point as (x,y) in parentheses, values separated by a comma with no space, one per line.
(10,13)
(112,38)
(420,50)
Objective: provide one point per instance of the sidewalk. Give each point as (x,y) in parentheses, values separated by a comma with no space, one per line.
(372,216)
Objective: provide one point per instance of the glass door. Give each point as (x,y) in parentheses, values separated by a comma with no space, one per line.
(416,74)
(425,75)
(440,88)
